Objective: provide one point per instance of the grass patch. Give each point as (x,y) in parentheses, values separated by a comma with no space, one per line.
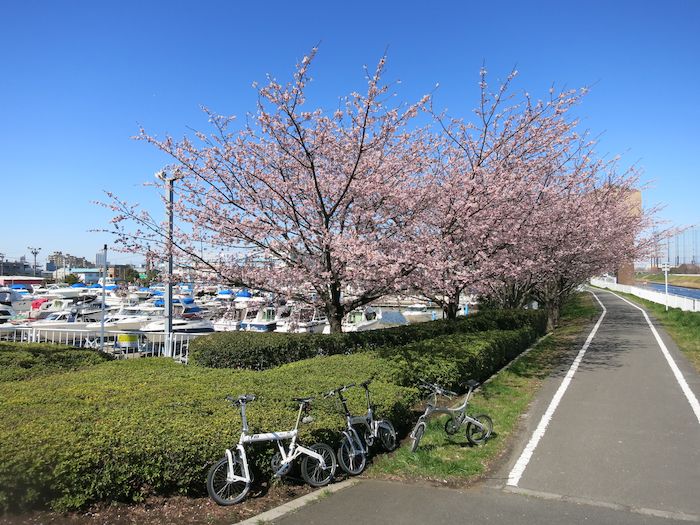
(689,281)
(683,327)
(450,459)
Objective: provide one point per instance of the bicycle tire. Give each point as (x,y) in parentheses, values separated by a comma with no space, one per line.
(387,436)
(222,491)
(311,469)
(417,435)
(476,435)
(351,463)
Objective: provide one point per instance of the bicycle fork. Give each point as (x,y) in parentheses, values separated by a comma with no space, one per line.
(356,446)
(230,474)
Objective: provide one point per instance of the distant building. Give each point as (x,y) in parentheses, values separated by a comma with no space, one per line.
(7,280)
(625,272)
(118,272)
(20,267)
(85,275)
(100,259)
(61,260)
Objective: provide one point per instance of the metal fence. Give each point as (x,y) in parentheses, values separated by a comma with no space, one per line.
(122,345)
(687,304)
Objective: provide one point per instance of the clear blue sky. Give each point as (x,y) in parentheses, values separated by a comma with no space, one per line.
(78,77)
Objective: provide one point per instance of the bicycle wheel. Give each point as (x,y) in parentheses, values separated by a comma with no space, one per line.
(350,462)
(476,435)
(452,426)
(222,491)
(417,435)
(311,469)
(387,436)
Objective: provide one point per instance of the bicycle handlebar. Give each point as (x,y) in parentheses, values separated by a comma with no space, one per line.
(437,389)
(338,390)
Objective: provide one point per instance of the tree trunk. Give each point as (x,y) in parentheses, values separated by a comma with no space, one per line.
(451,309)
(553,312)
(335,309)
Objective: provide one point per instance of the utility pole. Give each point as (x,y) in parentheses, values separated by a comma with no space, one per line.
(169,183)
(2,264)
(34,252)
(104,298)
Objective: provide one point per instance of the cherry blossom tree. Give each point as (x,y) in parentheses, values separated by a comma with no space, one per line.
(483,176)
(584,221)
(315,205)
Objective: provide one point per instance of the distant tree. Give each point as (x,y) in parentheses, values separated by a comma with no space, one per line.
(131,275)
(71,278)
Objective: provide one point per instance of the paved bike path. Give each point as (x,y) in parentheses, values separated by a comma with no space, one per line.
(623,446)
(624,432)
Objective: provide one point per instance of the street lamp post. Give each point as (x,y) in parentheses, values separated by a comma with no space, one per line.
(104,298)
(169,181)
(34,252)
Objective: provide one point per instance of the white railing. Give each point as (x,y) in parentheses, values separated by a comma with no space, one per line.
(687,304)
(120,344)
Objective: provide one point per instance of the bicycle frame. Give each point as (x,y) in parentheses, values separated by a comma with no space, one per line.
(295,450)
(367,421)
(458,413)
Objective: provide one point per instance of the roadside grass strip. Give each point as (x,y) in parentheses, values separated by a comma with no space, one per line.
(450,459)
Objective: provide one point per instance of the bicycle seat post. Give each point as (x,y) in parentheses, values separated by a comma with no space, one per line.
(302,405)
(369,402)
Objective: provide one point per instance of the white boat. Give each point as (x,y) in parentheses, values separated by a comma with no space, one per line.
(19,302)
(230,320)
(6,313)
(65,292)
(301,319)
(370,318)
(68,319)
(155,330)
(129,318)
(260,320)
(415,309)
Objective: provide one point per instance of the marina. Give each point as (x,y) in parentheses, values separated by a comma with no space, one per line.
(132,321)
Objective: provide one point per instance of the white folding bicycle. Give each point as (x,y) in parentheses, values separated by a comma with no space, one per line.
(229,479)
(361,432)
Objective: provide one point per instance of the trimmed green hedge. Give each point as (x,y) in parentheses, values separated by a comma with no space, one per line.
(125,429)
(260,351)
(27,360)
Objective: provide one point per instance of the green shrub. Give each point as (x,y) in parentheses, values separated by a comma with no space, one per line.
(129,428)
(126,429)
(25,360)
(256,351)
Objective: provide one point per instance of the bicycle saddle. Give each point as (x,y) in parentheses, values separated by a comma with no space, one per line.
(245,398)
(302,399)
(365,384)
(471,383)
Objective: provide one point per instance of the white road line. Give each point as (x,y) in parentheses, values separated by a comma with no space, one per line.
(674,367)
(524,459)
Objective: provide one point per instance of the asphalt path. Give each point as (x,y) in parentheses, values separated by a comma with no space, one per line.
(621,446)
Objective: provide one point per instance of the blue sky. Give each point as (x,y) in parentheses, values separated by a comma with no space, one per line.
(77,78)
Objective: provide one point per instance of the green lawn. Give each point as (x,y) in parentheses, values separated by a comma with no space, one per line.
(505,398)
(689,281)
